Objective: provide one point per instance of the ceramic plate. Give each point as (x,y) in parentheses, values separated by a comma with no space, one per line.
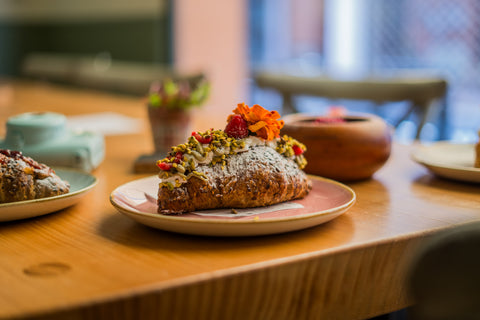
(80,183)
(327,200)
(449,160)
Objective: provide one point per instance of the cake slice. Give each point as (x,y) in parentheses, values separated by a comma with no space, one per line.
(245,165)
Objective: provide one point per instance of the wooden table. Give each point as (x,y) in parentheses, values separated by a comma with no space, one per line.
(90,262)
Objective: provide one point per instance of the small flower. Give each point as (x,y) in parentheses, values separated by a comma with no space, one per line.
(263,123)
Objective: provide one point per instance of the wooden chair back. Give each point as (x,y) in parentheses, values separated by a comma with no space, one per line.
(424,93)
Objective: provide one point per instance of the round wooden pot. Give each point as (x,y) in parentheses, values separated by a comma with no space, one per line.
(347,151)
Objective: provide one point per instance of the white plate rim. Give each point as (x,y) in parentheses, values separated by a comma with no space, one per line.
(455,171)
(63,197)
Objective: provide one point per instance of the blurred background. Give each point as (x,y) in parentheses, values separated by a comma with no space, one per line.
(122,45)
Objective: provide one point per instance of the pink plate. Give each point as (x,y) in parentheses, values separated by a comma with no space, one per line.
(327,200)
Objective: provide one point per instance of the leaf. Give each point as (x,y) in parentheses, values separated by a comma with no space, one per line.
(170,88)
(155,100)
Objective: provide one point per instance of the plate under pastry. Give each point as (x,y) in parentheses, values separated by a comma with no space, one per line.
(80,184)
(327,200)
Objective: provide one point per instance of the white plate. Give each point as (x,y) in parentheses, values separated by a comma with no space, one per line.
(327,200)
(449,160)
(80,183)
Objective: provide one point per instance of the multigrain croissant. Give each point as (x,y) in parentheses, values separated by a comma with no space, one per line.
(22,178)
(246,165)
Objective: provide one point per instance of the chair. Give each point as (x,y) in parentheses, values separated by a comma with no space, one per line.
(423,93)
(444,279)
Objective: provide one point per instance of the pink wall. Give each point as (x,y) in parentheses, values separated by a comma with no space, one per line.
(211,36)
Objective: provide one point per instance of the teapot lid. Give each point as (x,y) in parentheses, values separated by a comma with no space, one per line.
(34,128)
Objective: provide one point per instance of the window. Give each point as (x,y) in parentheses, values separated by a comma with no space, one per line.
(352,38)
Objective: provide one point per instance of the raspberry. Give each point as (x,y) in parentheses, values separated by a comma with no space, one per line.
(203,140)
(178,157)
(237,127)
(165,166)
(297,150)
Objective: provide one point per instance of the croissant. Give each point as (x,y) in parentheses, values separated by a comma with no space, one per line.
(22,178)
(233,168)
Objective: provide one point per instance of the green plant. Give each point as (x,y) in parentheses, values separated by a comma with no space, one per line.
(178,94)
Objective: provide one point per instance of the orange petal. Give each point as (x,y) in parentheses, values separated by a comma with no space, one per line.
(242,108)
(257,126)
(271,135)
(262,133)
(275,115)
(260,111)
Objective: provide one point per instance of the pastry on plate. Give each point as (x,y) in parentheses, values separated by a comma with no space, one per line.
(245,165)
(22,178)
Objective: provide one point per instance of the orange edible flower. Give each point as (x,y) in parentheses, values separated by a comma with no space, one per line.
(262,122)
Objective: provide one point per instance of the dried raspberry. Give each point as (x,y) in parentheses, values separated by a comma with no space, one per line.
(297,150)
(237,127)
(165,166)
(206,139)
(178,157)
(203,140)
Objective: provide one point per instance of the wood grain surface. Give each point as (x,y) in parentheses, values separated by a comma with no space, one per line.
(90,262)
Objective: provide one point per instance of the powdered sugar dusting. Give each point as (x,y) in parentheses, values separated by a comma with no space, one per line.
(238,165)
